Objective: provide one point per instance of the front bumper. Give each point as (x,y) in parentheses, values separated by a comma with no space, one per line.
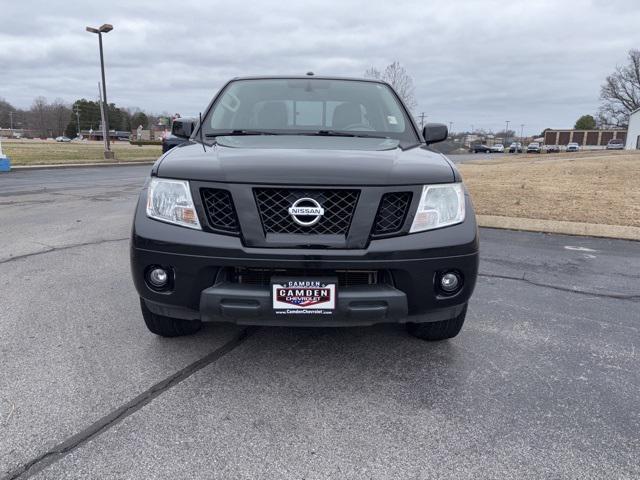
(197,260)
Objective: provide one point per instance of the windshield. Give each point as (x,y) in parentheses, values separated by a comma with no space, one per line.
(309,107)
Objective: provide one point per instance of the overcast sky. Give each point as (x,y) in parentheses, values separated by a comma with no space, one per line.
(480,62)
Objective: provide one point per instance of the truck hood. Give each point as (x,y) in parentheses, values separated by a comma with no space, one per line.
(306,160)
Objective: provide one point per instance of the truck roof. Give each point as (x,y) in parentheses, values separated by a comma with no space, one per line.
(307,77)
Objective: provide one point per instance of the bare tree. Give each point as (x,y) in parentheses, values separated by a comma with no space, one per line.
(620,93)
(38,117)
(59,114)
(396,76)
(5,109)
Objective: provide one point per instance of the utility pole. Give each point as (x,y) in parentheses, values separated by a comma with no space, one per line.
(522,133)
(506,132)
(106,28)
(11,123)
(422,117)
(450,127)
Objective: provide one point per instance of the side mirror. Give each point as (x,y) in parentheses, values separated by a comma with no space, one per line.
(183,127)
(435,132)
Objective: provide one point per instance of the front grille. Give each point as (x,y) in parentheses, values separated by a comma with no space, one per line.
(273,206)
(392,212)
(346,278)
(221,213)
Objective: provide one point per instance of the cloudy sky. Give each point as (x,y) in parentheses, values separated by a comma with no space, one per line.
(474,62)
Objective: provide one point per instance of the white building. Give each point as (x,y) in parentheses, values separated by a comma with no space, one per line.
(633,134)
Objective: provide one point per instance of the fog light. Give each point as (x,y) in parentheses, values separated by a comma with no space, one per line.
(158,277)
(450,282)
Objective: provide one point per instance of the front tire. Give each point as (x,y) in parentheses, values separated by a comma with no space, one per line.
(434,331)
(167,326)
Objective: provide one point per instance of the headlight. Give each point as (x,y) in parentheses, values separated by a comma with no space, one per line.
(170,201)
(440,206)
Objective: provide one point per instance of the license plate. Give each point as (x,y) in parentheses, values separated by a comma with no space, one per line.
(311,296)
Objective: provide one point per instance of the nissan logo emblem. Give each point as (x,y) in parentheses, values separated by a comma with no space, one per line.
(306,212)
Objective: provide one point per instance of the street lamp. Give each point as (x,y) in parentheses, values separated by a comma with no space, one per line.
(77,112)
(106,28)
(506,132)
(522,132)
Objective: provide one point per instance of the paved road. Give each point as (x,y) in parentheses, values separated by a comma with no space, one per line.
(543,381)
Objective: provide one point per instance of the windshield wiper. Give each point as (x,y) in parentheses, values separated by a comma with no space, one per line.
(225,133)
(335,133)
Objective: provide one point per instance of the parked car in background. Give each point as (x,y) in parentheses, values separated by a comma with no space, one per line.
(63,139)
(534,147)
(615,144)
(498,148)
(515,147)
(573,147)
(479,148)
(552,148)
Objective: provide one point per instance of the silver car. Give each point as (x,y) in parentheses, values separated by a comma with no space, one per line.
(615,144)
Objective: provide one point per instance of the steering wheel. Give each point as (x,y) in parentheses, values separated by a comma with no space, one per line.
(358,126)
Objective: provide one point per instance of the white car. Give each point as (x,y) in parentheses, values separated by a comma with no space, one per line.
(63,139)
(573,147)
(497,148)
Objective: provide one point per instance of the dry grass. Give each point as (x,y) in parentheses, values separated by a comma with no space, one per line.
(592,187)
(41,152)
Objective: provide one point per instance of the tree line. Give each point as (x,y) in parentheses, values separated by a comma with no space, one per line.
(46,119)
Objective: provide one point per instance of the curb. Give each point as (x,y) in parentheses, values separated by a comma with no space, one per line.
(81,165)
(556,226)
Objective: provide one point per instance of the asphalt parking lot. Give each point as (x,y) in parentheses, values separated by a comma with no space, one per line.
(543,381)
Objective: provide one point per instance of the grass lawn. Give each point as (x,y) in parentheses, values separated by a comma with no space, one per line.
(592,187)
(41,152)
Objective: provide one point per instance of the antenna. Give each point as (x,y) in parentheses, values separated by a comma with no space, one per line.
(201,138)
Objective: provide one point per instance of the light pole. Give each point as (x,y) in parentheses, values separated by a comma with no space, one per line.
(506,132)
(11,123)
(522,133)
(106,28)
(76,110)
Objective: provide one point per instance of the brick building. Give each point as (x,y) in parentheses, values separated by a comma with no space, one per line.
(591,138)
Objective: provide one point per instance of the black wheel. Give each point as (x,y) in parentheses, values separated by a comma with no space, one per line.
(433,331)
(167,326)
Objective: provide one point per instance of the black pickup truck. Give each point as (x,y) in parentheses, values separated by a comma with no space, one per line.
(305,201)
